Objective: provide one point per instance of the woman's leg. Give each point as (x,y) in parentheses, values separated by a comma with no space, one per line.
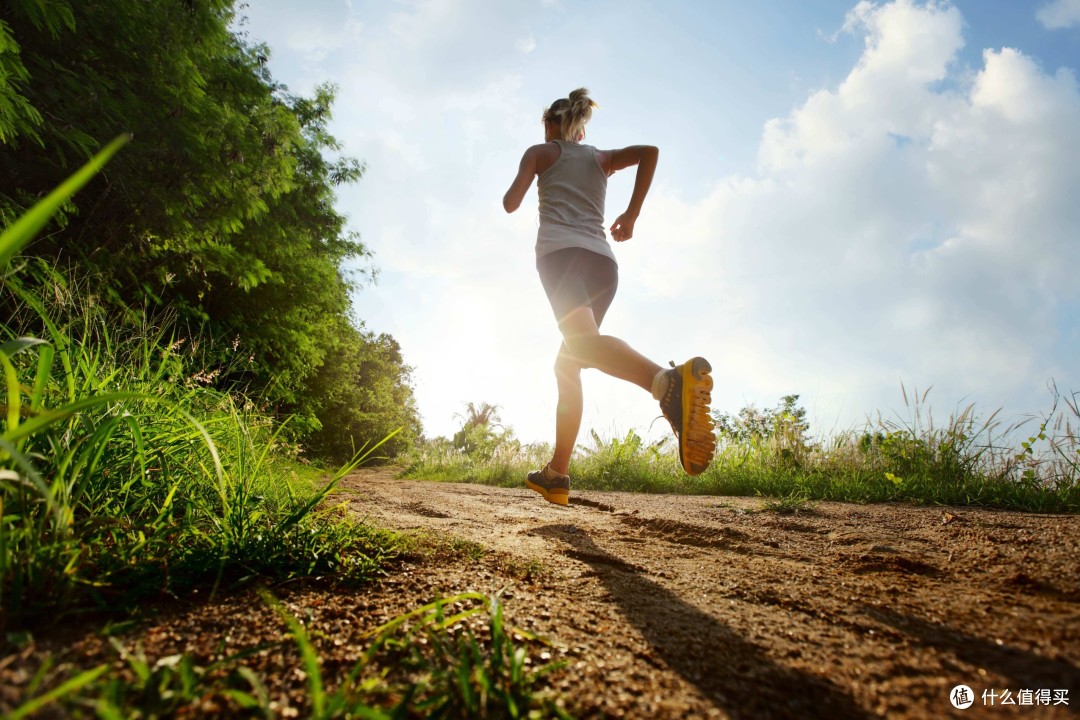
(581,286)
(583,346)
(608,354)
(568,411)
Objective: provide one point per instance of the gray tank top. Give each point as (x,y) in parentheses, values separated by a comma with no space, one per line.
(572,195)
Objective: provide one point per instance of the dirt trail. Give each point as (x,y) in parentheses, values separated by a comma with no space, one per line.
(674,606)
(670,606)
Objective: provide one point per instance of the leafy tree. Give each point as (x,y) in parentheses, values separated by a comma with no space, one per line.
(480,414)
(780,431)
(481,432)
(221,210)
(362,396)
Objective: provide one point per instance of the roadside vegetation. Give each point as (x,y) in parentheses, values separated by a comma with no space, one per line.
(965,460)
(218,214)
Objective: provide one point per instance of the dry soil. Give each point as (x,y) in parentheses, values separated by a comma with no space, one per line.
(673,606)
(677,606)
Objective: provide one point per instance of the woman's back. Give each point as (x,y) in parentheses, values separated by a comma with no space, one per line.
(571,194)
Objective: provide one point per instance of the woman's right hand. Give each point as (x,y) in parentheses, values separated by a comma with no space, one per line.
(623,227)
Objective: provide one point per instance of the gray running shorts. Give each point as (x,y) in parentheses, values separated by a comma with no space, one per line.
(576,277)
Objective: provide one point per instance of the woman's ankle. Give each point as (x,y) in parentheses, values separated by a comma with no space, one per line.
(551,473)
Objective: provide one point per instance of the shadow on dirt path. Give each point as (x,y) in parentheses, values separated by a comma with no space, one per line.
(1022,669)
(735,675)
(683,606)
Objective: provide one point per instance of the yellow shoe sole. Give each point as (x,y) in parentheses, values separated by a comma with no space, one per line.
(697,441)
(558,496)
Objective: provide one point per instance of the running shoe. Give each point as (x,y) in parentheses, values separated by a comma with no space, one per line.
(554,487)
(685,404)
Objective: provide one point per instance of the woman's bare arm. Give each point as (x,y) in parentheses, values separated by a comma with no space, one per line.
(523,181)
(645,157)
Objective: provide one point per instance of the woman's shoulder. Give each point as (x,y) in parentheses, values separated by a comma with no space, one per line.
(548,149)
(603,159)
(545,155)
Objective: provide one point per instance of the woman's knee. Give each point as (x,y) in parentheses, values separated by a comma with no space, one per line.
(567,370)
(584,348)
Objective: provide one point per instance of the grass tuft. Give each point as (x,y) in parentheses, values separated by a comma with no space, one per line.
(452,658)
(124,476)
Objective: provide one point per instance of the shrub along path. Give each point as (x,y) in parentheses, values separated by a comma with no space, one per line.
(676,606)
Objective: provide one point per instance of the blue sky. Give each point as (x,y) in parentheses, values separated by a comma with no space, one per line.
(850,195)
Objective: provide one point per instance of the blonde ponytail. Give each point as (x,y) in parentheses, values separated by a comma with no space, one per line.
(571,114)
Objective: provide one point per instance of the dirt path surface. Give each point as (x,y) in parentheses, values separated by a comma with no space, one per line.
(674,606)
(668,606)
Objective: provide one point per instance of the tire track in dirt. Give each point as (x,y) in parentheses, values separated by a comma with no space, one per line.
(675,606)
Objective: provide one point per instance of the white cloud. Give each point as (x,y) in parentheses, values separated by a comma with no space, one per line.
(441,45)
(1059,14)
(526,44)
(313,35)
(895,231)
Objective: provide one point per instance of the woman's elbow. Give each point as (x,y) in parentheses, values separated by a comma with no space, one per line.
(510,204)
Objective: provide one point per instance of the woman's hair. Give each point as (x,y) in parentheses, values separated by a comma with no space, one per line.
(571,114)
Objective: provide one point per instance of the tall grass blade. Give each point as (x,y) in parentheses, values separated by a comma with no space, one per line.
(26,227)
(41,378)
(307,653)
(11,347)
(81,680)
(361,456)
(14,393)
(58,338)
(428,609)
(40,422)
(32,478)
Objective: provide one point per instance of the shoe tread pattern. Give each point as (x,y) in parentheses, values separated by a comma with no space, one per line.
(697,440)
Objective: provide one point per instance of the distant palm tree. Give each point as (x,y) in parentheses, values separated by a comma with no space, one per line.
(484,414)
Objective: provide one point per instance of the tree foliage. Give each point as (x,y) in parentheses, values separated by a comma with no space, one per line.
(221,209)
(482,433)
(784,426)
(363,394)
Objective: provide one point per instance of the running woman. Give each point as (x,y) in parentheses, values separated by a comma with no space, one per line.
(578,271)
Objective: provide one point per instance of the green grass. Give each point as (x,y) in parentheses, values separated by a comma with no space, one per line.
(964,461)
(504,465)
(435,662)
(792,504)
(124,475)
(23,230)
(453,658)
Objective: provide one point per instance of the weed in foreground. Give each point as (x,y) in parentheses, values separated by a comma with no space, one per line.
(453,658)
(791,504)
(442,663)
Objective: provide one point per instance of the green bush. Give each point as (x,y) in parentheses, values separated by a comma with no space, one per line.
(220,211)
(123,474)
